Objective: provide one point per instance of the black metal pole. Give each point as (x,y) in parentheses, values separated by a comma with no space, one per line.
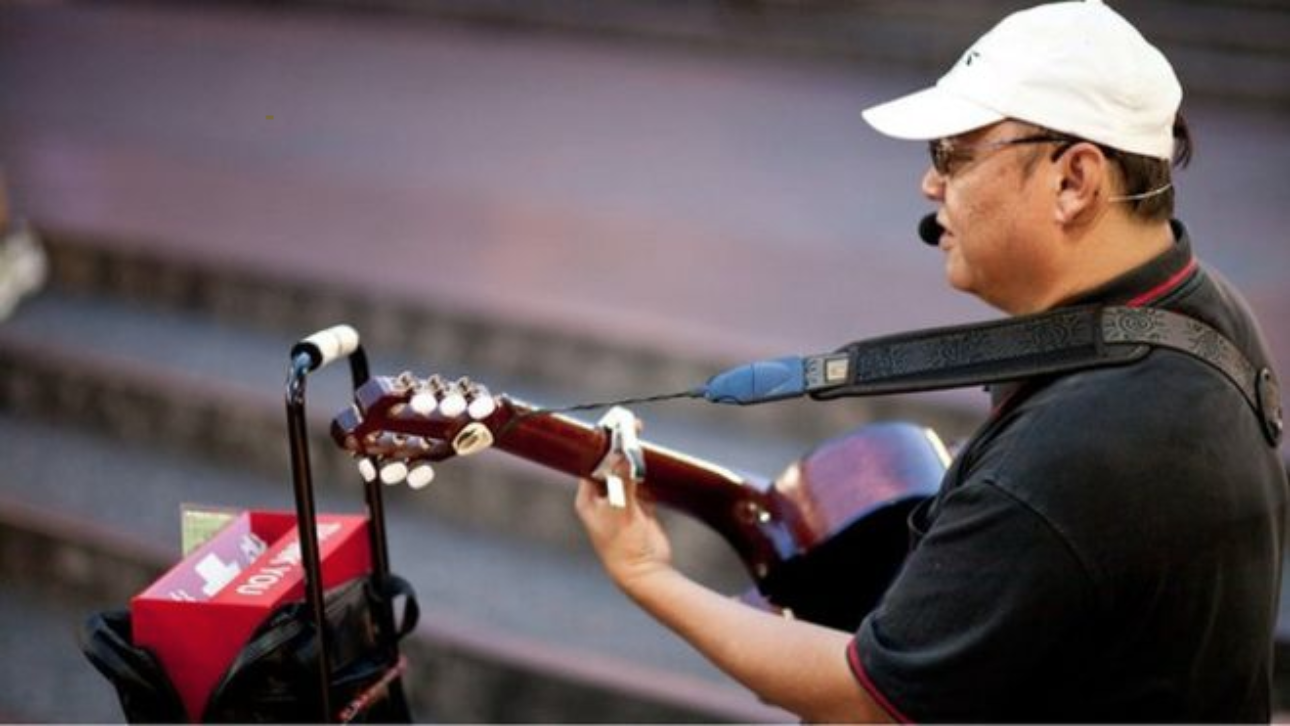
(306,521)
(372,490)
(378,543)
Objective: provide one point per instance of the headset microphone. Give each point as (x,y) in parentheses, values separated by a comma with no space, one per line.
(929,230)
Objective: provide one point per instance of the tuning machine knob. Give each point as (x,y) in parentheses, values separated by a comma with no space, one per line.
(423,402)
(453,403)
(482,404)
(420,476)
(367,470)
(394,472)
(449,398)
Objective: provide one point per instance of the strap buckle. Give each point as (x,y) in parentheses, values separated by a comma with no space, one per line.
(1269,398)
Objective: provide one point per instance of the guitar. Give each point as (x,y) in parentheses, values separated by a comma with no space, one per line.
(823,540)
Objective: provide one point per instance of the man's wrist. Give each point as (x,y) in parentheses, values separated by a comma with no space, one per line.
(645,583)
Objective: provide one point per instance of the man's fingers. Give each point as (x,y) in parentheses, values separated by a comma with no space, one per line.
(591,492)
(585,500)
(616,491)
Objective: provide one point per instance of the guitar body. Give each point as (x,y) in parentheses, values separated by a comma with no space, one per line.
(823,540)
(855,492)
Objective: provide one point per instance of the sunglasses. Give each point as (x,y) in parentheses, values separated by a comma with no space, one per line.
(949,157)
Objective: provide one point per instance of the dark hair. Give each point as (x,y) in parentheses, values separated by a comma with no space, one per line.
(1141,174)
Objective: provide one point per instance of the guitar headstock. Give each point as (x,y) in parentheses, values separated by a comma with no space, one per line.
(399,425)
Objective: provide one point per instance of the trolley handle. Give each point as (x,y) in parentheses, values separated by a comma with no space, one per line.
(308,355)
(325,346)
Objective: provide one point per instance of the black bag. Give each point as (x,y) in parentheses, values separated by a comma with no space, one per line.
(273,678)
(146,693)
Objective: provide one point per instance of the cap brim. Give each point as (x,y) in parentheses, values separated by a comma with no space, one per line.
(932,113)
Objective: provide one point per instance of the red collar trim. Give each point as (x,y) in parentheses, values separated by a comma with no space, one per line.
(1164,288)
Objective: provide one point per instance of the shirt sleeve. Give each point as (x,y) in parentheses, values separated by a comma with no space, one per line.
(971,628)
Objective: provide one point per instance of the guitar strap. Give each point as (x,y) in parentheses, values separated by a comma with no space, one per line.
(1059,341)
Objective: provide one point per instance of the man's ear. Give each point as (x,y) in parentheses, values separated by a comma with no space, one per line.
(1081,183)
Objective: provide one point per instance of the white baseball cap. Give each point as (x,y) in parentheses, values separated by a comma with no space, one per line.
(1074,67)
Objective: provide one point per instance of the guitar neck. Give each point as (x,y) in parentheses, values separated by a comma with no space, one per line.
(823,539)
(740,508)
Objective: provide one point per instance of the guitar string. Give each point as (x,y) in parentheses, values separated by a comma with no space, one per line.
(690,393)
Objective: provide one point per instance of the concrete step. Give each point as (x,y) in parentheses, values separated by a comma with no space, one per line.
(182,383)
(562,365)
(141,356)
(688,206)
(1221,49)
(548,604)
(45,679)
(118,404)
(116,413)
(62,565)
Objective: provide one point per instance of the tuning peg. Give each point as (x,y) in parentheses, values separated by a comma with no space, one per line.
(453,403)
(423,402)
(420,476)
(367,470)
(482,404)
(394,472)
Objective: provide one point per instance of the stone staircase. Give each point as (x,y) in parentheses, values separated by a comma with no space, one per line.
(120,402)
(134,384)
(149,373)
(1220,48)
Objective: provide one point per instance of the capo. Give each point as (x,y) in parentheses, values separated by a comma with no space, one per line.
(622,426)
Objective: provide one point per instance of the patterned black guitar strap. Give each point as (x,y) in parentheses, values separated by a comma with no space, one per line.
(1059,341)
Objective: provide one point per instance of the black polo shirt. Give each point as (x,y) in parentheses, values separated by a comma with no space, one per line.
(1106,548)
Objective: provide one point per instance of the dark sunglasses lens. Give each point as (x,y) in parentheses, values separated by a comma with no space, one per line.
(940,156)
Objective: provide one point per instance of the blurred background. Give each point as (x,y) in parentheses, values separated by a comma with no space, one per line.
(564,199)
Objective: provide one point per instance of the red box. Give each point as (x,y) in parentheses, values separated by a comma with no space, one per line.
(200,614)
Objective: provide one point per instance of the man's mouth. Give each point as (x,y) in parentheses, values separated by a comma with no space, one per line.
(945,234)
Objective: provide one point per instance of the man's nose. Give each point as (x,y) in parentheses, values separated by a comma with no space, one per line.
(933,184)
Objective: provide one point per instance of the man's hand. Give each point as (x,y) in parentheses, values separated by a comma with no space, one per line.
(789,663)
(629,540)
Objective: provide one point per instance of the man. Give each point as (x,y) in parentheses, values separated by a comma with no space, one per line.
(1108,545)
(23,267)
